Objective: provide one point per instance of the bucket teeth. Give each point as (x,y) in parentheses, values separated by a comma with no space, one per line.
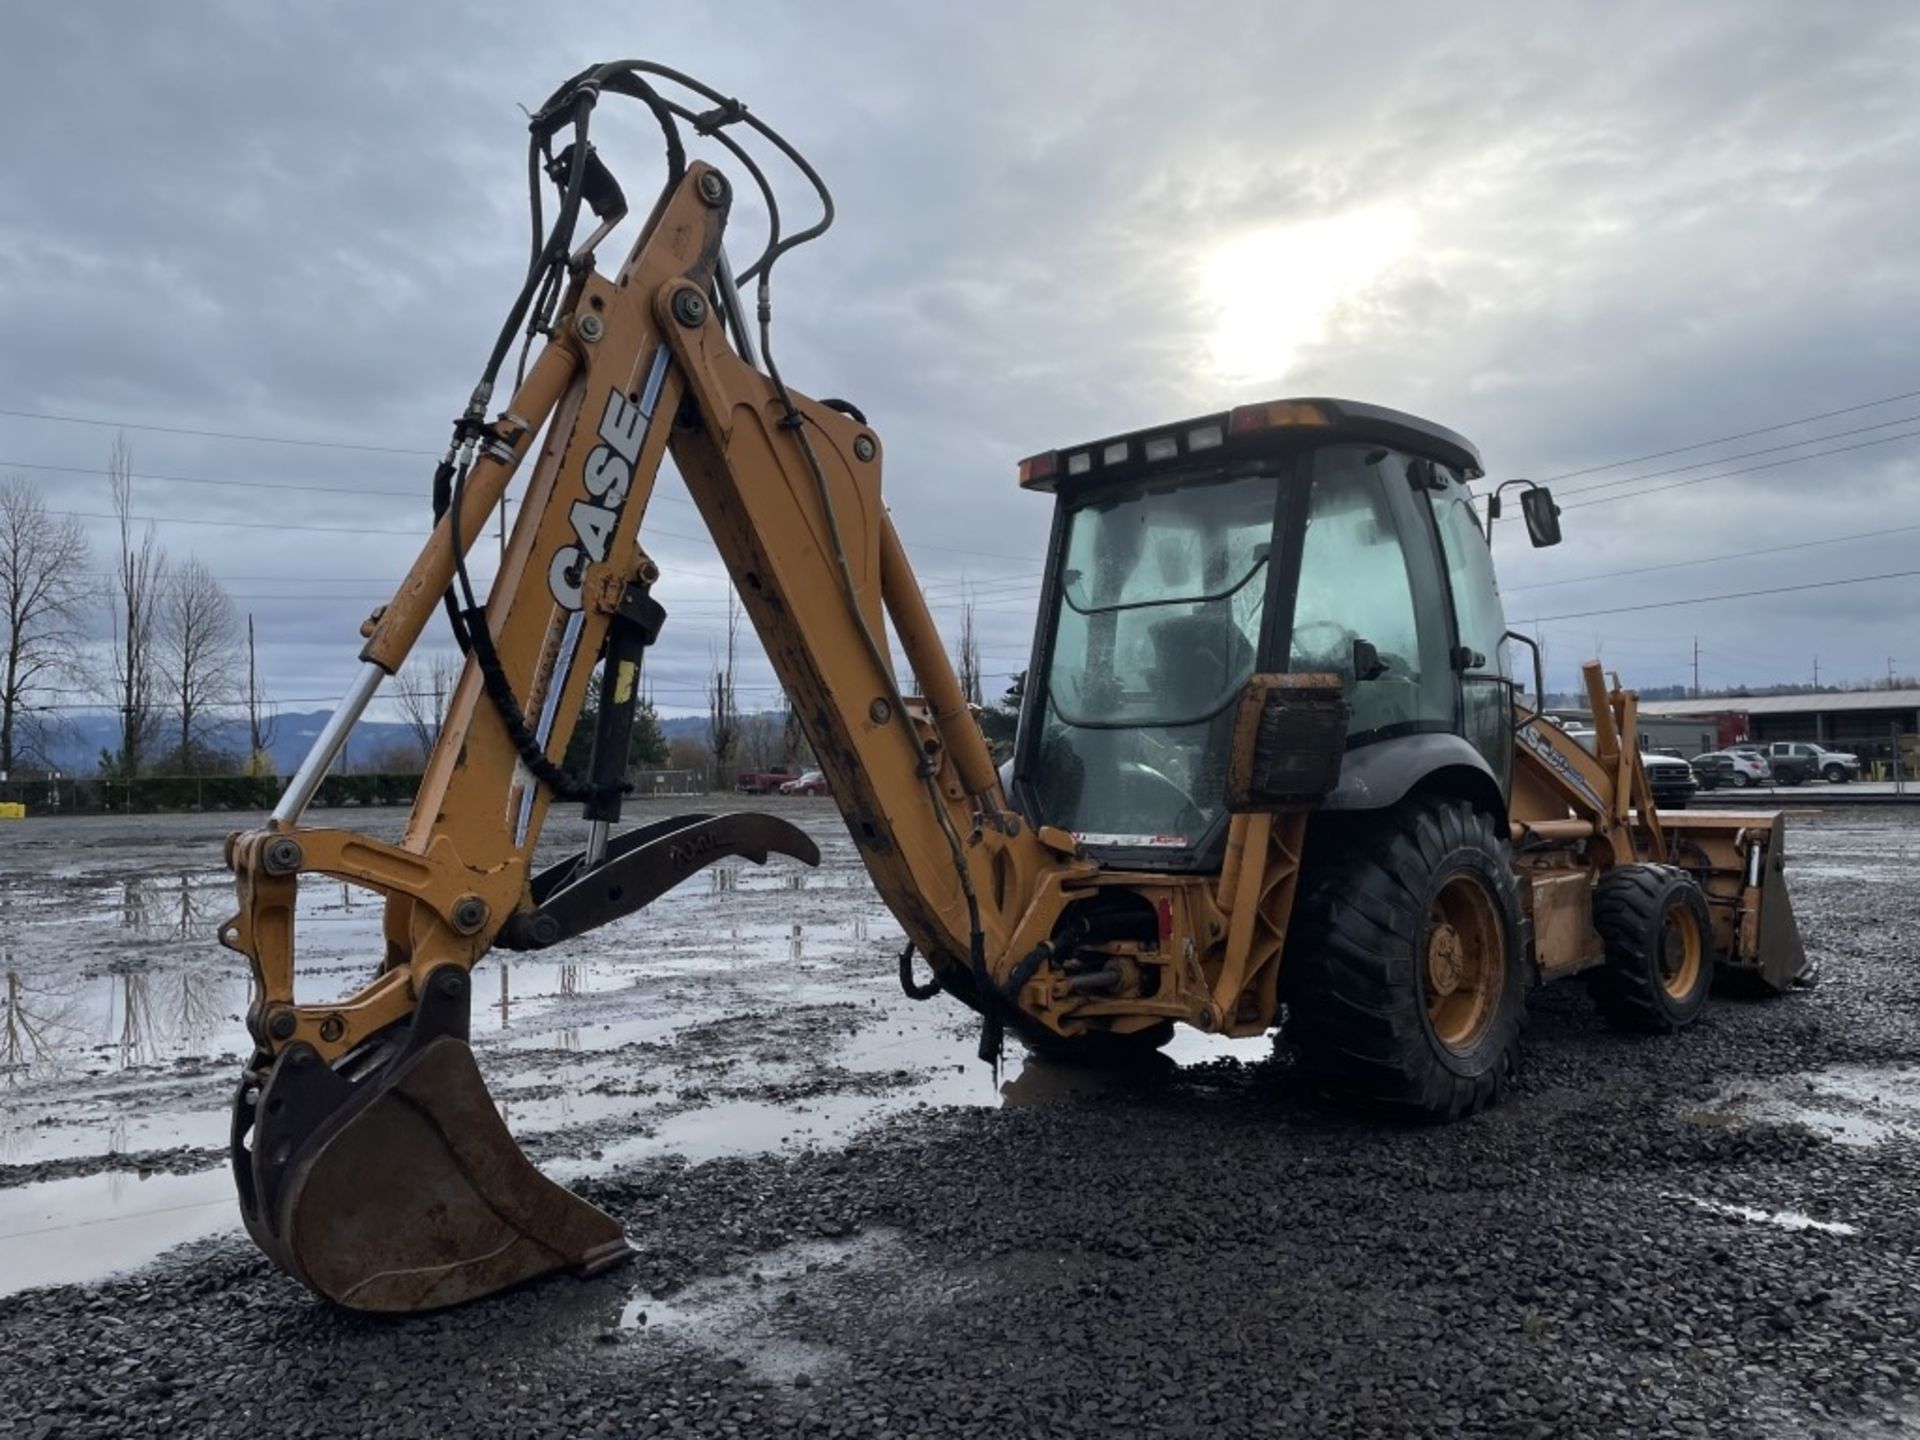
(389,1182)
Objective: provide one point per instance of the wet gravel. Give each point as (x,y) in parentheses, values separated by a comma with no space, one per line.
(1199,1251)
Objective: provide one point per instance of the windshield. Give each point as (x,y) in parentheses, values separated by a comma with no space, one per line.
(1162,593)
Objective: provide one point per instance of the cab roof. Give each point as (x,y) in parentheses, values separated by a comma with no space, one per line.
(1244,431)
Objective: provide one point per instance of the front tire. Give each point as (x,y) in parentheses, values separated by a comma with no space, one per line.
(1659,938)
(1740,781)
(1404,974)
(1836,774)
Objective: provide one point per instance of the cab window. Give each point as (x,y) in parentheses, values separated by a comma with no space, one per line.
(1356,585)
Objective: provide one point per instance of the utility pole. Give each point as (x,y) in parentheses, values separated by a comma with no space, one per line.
(253,701)
(1816,672)
(1696,667)
(1889,672)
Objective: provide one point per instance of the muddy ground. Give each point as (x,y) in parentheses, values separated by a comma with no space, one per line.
(847,1226)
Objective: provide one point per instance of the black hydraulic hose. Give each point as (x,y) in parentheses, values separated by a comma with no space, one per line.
(915,990)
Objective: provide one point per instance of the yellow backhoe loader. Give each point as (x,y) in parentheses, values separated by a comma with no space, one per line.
(1272,767)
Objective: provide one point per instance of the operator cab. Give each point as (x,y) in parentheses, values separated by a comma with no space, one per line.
(1304,536)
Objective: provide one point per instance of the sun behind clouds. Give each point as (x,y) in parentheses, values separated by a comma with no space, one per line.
(1275,289)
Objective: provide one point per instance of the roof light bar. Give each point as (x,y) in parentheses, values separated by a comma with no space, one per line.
(1273,414)
(1039,467)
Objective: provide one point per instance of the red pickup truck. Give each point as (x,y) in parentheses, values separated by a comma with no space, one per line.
(763,782)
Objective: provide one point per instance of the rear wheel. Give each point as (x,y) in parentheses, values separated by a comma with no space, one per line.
(1404,975)
(1659,938)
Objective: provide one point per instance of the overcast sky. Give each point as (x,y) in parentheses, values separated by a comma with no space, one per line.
(1577,234)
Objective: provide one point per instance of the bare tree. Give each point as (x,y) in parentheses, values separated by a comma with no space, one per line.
(43,592)
(761,741)
(260,719)
(199,642)
(968,664)
(723,705)
(139,576)
(423,689)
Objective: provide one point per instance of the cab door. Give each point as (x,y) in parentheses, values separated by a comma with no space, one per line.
(1480,653)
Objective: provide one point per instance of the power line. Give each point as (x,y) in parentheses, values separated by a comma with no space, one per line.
(1744,470)
(1743,455)
(1730,595)
(1728,439)
(218,434)
(1714,559)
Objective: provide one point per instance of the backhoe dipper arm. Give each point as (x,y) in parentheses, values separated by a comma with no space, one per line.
(383,1083)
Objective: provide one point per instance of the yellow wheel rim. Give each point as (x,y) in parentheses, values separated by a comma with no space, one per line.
(1463,967)
(1682,950)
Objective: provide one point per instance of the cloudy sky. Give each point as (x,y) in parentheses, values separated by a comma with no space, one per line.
(1578,234)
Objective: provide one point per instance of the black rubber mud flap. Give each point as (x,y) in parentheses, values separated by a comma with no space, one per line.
(389,1182)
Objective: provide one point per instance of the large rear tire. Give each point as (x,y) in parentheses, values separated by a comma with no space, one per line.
(1405,975)
(1659,937)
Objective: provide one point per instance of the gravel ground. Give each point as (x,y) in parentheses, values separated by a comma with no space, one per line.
(1711,1234)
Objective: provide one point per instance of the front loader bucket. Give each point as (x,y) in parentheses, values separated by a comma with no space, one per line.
(389,1182)
(1780,956)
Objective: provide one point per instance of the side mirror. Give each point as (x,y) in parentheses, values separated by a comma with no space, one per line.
(1542,516)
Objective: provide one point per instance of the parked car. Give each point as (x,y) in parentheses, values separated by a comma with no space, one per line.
(1837,766)
(810,782)
(1788,768)
(1669,777)
(763,782)
(1736,768)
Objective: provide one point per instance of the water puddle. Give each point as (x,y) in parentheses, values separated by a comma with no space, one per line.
(74,1232)
(740,1316)
(1785,1219)
(1852,1104)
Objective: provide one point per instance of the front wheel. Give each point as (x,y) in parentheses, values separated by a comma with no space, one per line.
(1740,781)
(1659,938)
(1836,774)
(1404,974)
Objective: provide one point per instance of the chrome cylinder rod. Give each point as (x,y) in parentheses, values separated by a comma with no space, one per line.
(736,311)
(326,749)
(597,833)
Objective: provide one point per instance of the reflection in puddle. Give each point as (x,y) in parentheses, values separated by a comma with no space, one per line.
(740,1316)
(70,1232)
(125,1019)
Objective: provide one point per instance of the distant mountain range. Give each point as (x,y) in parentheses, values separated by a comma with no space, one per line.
(82,734)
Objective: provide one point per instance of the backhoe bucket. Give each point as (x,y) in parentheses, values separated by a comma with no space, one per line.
(389,1182)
